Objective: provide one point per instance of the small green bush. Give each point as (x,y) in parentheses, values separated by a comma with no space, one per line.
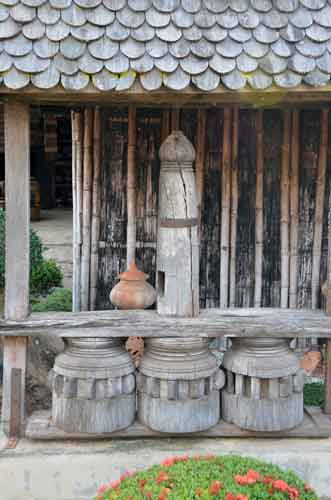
(45,276)
(313,394)
(58,300)
(36,249)
(227,478)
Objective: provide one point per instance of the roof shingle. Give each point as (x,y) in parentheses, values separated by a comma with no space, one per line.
(171,43)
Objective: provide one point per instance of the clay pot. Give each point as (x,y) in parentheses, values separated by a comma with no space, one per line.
(133,291)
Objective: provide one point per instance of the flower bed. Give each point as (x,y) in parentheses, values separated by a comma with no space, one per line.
(229,478)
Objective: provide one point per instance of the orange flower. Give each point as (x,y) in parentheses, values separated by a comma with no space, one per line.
(231,496)
(162,477)
(308,487)
(164,494)
(198,492)
(241,497)
(149,495)
(215,487)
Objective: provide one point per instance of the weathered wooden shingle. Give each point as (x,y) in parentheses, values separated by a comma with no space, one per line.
(109,44)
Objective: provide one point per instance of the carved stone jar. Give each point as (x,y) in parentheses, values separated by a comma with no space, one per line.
(264,389)
(93,386)
(179,385)
(133,291)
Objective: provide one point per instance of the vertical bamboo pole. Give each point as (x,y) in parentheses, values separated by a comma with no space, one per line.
(200,161)
(319,208)
(327,359)
(96,207)
(87,198)
(259,210)
(234,206)
(165,127)
(285,209)
(294,209)
(131,187)
(225,214)
(76,156)
(175,119)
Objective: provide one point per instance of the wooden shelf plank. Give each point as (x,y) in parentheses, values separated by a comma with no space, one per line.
(280,323)
(315,425)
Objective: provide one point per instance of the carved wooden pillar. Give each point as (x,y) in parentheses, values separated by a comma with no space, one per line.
(93,386)
(179,380)
(264,390)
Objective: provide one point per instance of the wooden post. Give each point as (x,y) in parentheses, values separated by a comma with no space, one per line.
(319,208)
(175,119)
(17,158)
(200,161)
(87,206)
(131,188)
(234,206)
(259,210)
(225,215)
(285,209)
(76,125)
(96,207)
(165,127)
(327,298)
(294,209)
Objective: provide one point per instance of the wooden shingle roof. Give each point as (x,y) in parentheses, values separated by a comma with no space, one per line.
(110,44)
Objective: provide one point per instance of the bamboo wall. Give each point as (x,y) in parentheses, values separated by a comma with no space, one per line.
(251,161)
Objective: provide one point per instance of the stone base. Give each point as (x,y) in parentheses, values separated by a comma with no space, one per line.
(181,416)
(263,414)
(91,416)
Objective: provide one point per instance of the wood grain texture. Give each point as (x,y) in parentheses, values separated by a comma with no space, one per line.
(315,424)
(14,357)
(259,210)
(294,209)
(234,208)
(285,209)
(131,188)
(226,206)
(17,158)
(237,322)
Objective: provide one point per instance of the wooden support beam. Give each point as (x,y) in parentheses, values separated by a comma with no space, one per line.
(165,127)
(131,187)
(259,210)
(285,210)
(225,211)
(96,207)
(17,159)
(200,160)
(319,208)
(175,119)
(234,206)
(294,209)
(77,199)
(327,307)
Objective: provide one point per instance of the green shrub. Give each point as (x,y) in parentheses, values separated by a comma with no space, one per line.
(58,300)
(313,394)
(229,478)
(45,276)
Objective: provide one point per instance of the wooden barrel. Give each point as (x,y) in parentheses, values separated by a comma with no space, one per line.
(35,199)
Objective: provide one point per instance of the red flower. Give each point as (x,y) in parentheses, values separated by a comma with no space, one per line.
(198,492)
(251,477)
(215,487)
(149,495)
(241,497)
(102,489)
(115,484)
(142,483)
(168,462)
(268,480)
(182,458)
(164,494)
(308,487)
(231,496)
(162,477)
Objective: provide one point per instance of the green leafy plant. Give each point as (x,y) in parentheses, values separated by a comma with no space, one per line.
(228,477)
(58,300)
(45,276)
(313,394)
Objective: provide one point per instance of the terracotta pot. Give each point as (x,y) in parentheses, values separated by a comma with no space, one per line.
(133,291)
